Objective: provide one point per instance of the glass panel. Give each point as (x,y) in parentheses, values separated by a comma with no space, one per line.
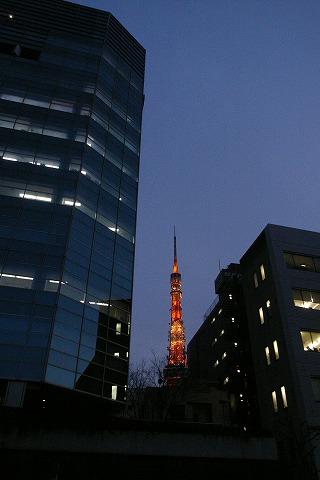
(61,377)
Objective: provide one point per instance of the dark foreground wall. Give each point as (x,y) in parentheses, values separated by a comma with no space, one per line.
(76,466)
(45,447)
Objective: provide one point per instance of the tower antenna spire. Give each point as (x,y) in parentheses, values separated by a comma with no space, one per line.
(175,257)
(177,360)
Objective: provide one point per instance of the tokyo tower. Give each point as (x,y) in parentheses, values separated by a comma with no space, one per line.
(177,359)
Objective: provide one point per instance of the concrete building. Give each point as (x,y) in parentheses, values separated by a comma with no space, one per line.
(279,281)
(71,99)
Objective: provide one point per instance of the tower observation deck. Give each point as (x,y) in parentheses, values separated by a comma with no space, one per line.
(177,359)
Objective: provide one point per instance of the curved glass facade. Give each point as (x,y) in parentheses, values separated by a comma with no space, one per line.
(71,99)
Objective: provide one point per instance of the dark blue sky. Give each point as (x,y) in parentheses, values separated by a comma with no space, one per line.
(230,142)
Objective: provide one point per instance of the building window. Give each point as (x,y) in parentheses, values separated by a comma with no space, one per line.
(114,392)
(216,363)
(302,262)
(284,397)
(310,340)
(118,329)
(262,272)
(261,315)
(315,382)
(274,401)
(306,299)
(276,349)
(268,308)
(267,352)
(224,355)
(255,279)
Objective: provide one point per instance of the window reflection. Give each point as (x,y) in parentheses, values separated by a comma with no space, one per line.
(302,262)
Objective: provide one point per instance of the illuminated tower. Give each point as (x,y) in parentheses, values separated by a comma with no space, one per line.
(177,361)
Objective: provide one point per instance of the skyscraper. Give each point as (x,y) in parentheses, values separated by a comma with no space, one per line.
(71,100)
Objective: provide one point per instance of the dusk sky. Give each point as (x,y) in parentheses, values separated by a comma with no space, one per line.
(230,142)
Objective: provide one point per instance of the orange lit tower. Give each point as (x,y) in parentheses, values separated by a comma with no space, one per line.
(177,361)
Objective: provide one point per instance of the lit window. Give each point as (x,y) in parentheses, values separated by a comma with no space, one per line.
(230,296)
(255,279)
(268,308)
(306,299)
(221,333)
(274,401)
(224,355)
(261,315)
(284,397)
(267,352)
(18,281)
(216,363)
(310,340)
(276,349)
(213,320)
(226,380)
(51,165)
(116,354)
(71,202)
(302,262)
(118,329)
(35,197)
(214,341)
(114,392)
(262,272)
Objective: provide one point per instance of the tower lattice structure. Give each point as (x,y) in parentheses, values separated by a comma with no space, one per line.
(177,359)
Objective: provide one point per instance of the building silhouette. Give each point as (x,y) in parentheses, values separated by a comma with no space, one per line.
(220,350)
(280,284)
(71,99)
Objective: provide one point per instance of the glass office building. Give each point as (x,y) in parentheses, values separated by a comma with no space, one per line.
(71,100)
